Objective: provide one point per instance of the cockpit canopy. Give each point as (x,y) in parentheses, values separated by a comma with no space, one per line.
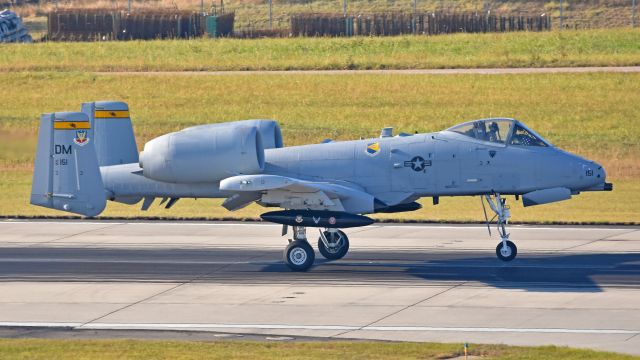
(500,130)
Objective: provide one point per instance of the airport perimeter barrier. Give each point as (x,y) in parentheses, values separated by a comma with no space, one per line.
(108,24)
(385,24)
(220,25)
(249,32)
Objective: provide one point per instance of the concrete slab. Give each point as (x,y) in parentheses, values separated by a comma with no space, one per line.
(80,292)
(574,286)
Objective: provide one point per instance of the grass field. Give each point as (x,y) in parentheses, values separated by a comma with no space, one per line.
(592,114)
(135,349)
(612,47)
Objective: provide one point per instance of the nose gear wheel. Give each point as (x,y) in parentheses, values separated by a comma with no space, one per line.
(507,251)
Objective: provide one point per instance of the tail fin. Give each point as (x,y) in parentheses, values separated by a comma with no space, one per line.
(66,175)
(112,131)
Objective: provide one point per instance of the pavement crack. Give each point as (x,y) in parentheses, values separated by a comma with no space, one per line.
(75,234)
(364,229)
(402,309)
(153,296)
(600,239)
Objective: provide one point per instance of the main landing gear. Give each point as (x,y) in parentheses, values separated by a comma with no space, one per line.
(506,250)
(333,244)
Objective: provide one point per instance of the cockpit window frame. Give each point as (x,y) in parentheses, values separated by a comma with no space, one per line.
(528,129)
(514,123)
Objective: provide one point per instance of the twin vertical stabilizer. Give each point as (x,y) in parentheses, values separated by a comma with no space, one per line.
(113,139)
(66,175)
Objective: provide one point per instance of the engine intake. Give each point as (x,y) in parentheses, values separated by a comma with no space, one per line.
(203,154)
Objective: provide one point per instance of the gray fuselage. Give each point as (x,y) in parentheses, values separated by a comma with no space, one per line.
(452,164)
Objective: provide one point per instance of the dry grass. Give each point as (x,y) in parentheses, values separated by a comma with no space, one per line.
(138,349)
(591,114)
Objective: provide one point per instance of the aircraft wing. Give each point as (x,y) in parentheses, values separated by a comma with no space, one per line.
(292,193)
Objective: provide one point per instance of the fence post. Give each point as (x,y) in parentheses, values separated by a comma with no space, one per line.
(561,15)
(413,20)
(633,13)
(270,14)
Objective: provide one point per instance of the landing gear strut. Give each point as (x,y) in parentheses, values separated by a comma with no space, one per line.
(506,250)
(299,255)
(333,244)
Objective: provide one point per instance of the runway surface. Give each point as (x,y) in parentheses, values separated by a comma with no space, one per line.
(570,285)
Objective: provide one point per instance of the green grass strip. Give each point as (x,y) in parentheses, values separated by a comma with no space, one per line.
(610,47)
(137,349)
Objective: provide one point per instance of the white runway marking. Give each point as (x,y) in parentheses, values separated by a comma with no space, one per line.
(248,224)
(40,324)
(204,327)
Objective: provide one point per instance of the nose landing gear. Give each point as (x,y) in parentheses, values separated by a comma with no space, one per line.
(506,250)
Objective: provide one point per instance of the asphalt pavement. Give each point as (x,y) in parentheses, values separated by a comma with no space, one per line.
(570,285)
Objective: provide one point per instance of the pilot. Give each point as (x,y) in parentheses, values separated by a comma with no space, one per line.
(494,132)
(481,131)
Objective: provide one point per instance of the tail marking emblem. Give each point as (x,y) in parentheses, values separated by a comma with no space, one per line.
(81,138)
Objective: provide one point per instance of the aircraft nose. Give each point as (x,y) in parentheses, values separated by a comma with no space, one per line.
(591,172)
(594,177)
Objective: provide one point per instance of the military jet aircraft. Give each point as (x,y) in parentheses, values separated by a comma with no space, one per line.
(86,158)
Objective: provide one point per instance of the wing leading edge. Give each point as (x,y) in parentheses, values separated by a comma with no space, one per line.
(291,193)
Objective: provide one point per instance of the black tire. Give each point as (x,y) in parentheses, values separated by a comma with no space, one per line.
(299,255)
(510,254)
(335,253)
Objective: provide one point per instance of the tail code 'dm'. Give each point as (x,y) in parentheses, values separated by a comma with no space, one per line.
(62,149)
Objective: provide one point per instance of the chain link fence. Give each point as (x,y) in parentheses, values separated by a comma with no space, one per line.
(277,18)
(583,14)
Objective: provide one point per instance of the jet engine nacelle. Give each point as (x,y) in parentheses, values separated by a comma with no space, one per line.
(203,154)
(268,129)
